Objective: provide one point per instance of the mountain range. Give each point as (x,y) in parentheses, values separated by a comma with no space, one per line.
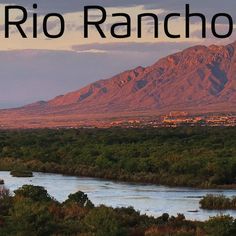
(198,80)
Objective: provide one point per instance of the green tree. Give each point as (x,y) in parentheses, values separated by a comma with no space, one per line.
(220,226)
(80,198)
(31,218)
(35,193)
(102,221)
(5,201)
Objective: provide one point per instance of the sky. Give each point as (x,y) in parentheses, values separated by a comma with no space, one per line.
(42,68)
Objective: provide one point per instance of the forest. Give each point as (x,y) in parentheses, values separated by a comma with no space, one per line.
(188,156)
(32,211)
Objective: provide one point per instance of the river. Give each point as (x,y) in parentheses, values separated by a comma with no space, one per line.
(147,198)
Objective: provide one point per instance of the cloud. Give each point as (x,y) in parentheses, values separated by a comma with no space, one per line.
(209,6)
(50,26)
(159,49)
(72,5)
(73,15)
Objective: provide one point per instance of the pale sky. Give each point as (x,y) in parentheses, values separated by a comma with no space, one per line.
(39,69)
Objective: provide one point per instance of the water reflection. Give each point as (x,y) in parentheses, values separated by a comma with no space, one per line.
(150,199)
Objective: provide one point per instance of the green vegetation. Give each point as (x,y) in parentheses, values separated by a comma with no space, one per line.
(218,202)
(187,156)
(21,173)
(32,211)
(220,226)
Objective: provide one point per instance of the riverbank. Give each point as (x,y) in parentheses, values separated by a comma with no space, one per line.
(149,199)
(77,215)
(8,164)
(200,157)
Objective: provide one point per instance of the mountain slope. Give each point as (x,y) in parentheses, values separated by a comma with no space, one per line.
(199,76)
(198,79)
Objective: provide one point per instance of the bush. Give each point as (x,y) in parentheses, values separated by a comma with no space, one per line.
(5,201)
(31,218)
(35,193)
(79,198)
(21,173)
(221,226)
(217,202)
(102,221)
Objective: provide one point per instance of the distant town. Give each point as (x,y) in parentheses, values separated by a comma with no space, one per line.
(171,120)
(176,119)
